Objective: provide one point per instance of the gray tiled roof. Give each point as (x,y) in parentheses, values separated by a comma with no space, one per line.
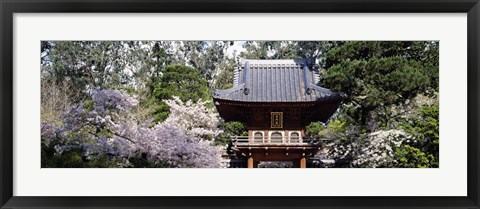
(276,81)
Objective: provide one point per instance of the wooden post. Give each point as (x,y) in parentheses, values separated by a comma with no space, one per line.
(250,138)
(250,162)
(302,135)
(265,136)
(303,162)
(286,137)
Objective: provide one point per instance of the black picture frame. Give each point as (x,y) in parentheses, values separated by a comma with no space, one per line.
(10,7)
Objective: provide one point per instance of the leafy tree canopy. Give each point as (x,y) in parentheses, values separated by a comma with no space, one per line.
(176,80)
(376,74)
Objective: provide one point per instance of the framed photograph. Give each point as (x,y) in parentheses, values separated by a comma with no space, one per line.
(265,104)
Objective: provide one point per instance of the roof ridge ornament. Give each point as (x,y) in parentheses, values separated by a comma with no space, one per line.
(308,90)
(246,91)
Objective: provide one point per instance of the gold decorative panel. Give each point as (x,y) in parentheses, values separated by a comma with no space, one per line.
(276,120)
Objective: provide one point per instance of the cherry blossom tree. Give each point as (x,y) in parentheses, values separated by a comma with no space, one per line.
(104,127)
(193,118)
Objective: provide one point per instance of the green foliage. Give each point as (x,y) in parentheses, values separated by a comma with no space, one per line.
(182,81)
(424,51)
(88,104)
(314,130)
(411,157)
(378,81)
(337,126)
(73,159)
(205,56)
(286,49)
(334,129)
(376,74)
(130,90)
(230,129)
(224,79)
(160,112)
(142,162)
(425,128)
(175,80)
(235,128)
(87,63)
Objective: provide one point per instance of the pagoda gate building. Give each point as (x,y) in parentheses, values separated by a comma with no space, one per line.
(276,99)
